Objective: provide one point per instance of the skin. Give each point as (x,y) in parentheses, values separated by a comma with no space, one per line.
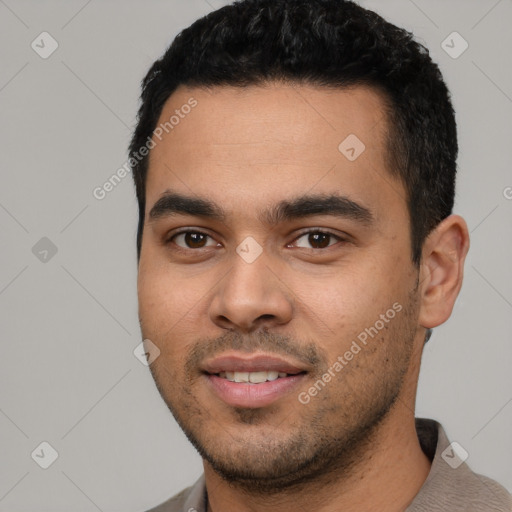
(353,446)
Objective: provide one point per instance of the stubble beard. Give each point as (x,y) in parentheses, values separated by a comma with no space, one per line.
(327,439)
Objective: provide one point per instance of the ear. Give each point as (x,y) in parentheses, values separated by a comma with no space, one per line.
(442,270)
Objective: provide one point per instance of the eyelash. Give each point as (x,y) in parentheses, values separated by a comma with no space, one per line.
(170,239)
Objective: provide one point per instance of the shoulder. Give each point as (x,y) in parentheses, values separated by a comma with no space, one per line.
(451,484)
(491,494)
(188,500)
(174,504)
(463,490)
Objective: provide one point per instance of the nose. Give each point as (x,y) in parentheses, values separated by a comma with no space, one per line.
(251,296)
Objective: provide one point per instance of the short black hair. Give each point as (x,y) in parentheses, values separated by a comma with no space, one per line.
(330,43)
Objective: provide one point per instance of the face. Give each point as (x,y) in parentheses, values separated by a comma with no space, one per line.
(282,256)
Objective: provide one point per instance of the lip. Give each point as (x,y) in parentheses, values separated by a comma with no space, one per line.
(244,394)
(251,363)
(248,395)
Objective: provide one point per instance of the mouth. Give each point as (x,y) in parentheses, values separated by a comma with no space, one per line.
(252,381)
(254,377)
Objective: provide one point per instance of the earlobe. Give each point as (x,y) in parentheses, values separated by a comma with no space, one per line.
(442,270)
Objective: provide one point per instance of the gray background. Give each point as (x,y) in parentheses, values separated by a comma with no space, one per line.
(68,375)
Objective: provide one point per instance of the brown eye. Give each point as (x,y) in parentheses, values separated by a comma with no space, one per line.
(317,240)
(191,240)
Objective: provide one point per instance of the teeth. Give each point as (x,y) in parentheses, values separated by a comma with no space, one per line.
(241,376)
(257,377)
(252,377)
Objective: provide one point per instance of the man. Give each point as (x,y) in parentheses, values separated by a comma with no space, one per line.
(294,163)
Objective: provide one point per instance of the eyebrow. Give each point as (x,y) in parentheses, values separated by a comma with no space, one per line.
(173,203)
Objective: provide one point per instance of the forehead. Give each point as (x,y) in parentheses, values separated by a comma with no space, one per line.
(261,144)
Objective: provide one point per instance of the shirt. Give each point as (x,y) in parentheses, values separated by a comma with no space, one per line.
(450,485)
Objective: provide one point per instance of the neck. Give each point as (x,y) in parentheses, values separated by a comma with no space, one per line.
(385,478)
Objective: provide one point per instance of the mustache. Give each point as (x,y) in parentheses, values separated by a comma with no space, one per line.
(307,353)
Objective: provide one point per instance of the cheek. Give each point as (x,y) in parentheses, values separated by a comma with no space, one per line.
(169,310)
(339,307)
(346,297)
(158,308)
(150,292)
(163,295)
